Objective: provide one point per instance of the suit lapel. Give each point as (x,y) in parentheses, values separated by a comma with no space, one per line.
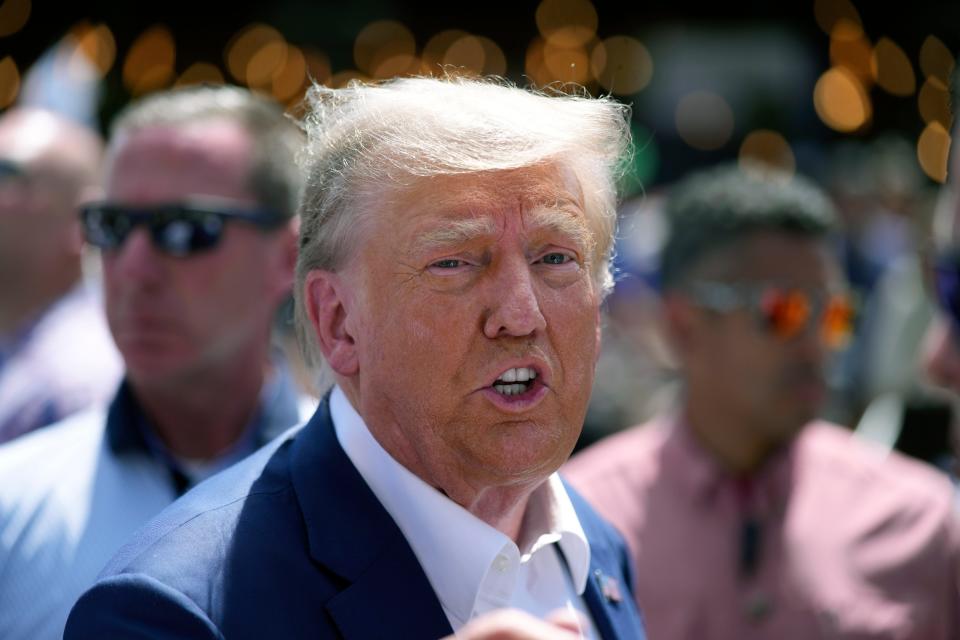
(608,593)
(351,534)
(609,601)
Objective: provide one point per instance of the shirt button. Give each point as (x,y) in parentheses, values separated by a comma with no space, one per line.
(757,607)
(501,563)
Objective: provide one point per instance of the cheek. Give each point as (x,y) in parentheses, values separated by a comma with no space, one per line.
(574,333)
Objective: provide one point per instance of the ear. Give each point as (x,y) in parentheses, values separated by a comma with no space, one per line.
(680,320)
(323,294)
(73,238)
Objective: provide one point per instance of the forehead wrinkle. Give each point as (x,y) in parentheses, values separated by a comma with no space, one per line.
(539,203)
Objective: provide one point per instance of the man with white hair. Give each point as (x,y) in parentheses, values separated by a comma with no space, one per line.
(454,251)
(56,356)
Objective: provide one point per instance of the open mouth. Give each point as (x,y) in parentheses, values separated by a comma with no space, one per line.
(516,381)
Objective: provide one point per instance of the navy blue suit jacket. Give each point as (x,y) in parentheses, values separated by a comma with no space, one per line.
(292,543)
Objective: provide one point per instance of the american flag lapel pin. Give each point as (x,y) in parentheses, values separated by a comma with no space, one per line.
(609,587)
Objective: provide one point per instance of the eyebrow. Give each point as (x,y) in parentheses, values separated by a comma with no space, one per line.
(556,219)
(561,220)
(454,233)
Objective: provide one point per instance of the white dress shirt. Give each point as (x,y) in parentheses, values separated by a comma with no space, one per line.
(473,567)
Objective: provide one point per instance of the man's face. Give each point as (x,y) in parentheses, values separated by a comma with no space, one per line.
(38,225)
(458,282)
(177,317)
(769,384)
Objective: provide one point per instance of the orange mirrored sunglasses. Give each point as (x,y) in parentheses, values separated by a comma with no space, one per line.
(785,313)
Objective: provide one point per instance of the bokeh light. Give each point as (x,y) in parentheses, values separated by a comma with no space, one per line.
(933,102)
(534,66)
(891,68)
(264,63)
(704,120)
(93,46)
(9,82)
(13,16)
(567,23)
(200,72)
(466,55)
(933,151)
(290,78)
(767,148)
(850,49)
(622,65)
(936,60)
(384,49)
(829,12)
(251,41)
(149,63)
(494,60)
(566,64)
(455,51)
(841,101)
(318,65)
(435,51)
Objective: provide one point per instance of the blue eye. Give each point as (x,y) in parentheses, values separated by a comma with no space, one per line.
(556,258)
(449,263)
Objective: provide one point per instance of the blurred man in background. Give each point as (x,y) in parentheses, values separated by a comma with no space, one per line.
(746,516)
(56,356)
(454,253)
(198,236)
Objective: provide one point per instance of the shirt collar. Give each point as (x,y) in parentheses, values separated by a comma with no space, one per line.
(129,430)
(702,477)
(455,548)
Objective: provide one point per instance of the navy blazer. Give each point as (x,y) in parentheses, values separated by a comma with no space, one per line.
(292,543)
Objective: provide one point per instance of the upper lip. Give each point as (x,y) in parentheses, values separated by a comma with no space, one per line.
(538,365)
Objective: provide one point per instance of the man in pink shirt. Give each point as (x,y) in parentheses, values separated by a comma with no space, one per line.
(747,517)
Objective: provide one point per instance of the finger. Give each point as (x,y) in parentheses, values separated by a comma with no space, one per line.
(569,619)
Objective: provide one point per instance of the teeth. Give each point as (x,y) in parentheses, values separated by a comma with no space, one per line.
(521,374)
(510,389)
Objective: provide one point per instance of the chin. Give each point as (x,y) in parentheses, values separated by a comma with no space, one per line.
(518,461)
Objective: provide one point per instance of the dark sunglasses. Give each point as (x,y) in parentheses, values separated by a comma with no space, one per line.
(178,229)
(784,313)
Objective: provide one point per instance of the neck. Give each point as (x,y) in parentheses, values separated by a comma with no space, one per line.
(502,508)
(730,440)
(23,299)
(202,416)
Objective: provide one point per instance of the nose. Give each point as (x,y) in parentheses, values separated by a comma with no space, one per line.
(941,354)
(514,308)
(810,346)
(136,260)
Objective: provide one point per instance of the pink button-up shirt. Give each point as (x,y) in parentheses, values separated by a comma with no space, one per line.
(843,542)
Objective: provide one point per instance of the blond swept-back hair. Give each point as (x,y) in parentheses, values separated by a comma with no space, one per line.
(365,136)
